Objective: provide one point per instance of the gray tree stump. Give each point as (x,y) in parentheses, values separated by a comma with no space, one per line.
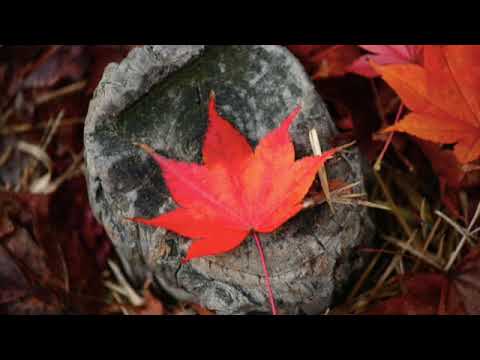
(158,95)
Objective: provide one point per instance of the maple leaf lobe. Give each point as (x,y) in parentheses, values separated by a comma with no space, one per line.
(443,97)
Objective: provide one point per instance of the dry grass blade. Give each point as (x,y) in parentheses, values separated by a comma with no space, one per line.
(338,196)
(53,129)
(39,184)
(23,128)
(5,116)
(116,288)
(119,300)
(378,164)
(365,275)
(36,151)
(346,188)
(40,155)
(454,255)
(6,155)
(392,205)
(320,198)
(391,266)
(67,90)
(453,223)
(346,201)
(322,173)
(130,294)
(427,243)
(419,254)
(44,183)
(73,170)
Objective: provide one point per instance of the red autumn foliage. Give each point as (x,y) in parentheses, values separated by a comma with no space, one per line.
(386,55)
(324,61)
(44,264)
(52,250)
(456,293)
(443,97)
(232,194)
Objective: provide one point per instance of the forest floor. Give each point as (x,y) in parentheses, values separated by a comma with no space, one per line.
(55,257)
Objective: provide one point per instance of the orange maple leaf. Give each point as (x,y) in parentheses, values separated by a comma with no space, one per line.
(444,97)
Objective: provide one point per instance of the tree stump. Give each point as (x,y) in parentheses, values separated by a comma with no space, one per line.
(158,95)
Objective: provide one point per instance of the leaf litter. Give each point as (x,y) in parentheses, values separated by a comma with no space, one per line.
(424,194)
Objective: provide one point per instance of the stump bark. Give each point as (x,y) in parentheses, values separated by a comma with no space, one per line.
(158,95)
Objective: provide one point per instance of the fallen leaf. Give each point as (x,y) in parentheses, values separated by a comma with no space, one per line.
(153,306)
(234,192)
(28,285)
(455,293)
(385,55)
(14,283)
(342,95)
(200,310)
(443,97)
(444,163)
(64,63)
(325,61)
(466,281)
(44,267)
(190,309)
(334,61)
(306,51)
(423,294)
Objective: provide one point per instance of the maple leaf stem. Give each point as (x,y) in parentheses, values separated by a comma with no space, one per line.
(267,275)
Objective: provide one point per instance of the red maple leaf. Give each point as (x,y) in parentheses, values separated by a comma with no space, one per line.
(237,190)
(385,55)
